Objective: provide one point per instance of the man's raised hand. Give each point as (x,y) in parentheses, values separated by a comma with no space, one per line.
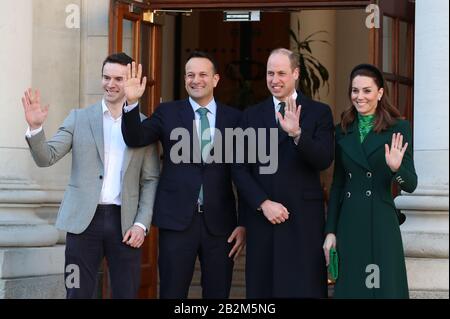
(134,87)
(35,114)
(290,123)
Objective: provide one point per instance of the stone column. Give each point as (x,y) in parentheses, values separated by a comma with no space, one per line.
(425,232)
(22,266)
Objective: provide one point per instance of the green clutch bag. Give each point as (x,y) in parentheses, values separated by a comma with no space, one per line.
(333,267)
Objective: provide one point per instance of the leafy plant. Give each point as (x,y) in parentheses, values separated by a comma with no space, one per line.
(313,75)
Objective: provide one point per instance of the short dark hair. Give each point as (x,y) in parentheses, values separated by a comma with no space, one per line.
(119,58)
(204,55)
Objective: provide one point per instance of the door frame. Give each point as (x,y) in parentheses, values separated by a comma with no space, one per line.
(118,12)
(262,4)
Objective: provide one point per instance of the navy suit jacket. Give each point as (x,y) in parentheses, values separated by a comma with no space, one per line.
(179,183)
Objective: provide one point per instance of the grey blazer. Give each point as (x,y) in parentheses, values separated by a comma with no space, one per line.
(82,132)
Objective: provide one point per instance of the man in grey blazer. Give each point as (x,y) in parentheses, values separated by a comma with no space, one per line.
(108,204)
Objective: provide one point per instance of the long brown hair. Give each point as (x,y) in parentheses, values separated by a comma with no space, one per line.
(386,114)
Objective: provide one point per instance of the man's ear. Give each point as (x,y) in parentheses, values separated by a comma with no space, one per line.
(296,73)
(216,79)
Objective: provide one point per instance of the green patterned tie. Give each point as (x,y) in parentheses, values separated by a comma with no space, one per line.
(205,140)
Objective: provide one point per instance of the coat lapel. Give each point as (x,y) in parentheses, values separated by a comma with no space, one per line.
(374,141)
(270,120)
(187,117)
(96,123)
(351,145)
(128,154)
(269,114)
(305,108)
(220,125)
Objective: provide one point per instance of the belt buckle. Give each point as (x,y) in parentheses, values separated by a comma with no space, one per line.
(199,208)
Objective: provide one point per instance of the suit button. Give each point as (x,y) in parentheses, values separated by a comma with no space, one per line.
(369,175)
(100,177)
(349,194)
(368,193)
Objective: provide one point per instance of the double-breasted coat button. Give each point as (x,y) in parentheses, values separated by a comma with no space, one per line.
(369,175)
(349,194)
(368,193)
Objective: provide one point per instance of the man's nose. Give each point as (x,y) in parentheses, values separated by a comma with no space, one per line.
(195,78)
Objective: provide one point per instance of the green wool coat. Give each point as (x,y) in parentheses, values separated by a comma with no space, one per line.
(362,214)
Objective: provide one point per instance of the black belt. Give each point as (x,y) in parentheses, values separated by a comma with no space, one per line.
(107,206)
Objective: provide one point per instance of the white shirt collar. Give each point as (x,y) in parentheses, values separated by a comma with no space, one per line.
(104,107)
(276,101)
(105,110)
(211,106)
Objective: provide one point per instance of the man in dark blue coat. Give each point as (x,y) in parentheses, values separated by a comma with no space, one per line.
(285,232)
(195,207)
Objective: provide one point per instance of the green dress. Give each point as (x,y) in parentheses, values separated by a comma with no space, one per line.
(362,215)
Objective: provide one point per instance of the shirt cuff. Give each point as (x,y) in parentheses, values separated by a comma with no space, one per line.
(142,226)
(31,133)
(297,138)
(128,108)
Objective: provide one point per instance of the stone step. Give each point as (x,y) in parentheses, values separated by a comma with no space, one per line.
(238,265)
(238,284)
(238,278)
(237,292)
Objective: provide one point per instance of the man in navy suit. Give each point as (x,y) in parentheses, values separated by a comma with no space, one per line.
(195,207)
(285,231)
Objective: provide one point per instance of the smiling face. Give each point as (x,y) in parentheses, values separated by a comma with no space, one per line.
(365,95)
(113,81)
(281,76)
(200,80)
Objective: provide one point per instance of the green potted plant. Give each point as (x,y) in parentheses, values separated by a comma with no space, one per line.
(313,75)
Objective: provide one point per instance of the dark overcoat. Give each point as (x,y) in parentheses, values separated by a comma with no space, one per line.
(287,260)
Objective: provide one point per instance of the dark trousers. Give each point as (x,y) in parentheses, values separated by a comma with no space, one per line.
(84,252)
(178,251)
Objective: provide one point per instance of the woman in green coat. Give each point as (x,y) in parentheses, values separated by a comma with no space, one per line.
(373,150)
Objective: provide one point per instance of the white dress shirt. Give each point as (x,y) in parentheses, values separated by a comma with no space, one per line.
(114,151)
